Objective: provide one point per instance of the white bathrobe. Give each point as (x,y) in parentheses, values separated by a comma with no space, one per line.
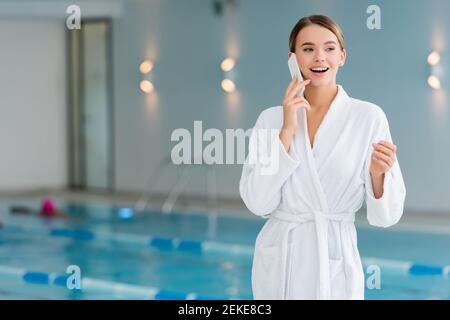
(307,249)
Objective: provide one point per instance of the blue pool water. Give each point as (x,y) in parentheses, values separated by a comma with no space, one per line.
(125,256)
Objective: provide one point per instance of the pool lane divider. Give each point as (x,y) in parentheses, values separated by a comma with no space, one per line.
(96,285)
(155,242)
(211,247)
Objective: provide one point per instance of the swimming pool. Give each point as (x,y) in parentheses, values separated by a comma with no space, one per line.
(122,255)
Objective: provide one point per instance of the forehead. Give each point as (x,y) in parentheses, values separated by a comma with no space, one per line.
(315,34)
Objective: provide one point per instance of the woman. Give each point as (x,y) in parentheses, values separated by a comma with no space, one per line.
(48,209)
(333,151)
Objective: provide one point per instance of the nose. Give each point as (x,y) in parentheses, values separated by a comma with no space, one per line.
(320,59)
(319,56)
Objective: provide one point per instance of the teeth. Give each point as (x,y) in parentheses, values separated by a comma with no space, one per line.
(319,69)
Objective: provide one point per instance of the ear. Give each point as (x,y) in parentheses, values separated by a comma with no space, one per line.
(343,57)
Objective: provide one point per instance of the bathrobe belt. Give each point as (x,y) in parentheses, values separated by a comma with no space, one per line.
(321,220)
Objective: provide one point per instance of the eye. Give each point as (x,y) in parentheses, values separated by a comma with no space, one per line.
(307,49)
(330,49)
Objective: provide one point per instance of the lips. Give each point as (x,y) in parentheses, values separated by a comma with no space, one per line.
(319,69)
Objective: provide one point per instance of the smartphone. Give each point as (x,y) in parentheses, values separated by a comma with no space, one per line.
(295,70)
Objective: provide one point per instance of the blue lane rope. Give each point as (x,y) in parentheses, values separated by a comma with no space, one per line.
(422,269)
(74,234)
(96,285)
(201,247)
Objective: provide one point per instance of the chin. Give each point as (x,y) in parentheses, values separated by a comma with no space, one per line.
(320,82)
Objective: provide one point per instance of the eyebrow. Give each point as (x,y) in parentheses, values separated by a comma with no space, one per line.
(311,44)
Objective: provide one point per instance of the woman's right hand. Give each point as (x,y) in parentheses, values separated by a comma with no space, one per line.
(292,102)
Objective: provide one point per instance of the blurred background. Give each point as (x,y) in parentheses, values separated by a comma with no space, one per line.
(86,119)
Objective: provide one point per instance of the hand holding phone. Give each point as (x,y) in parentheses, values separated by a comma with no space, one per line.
(293,98)
(295,70)
(292,102)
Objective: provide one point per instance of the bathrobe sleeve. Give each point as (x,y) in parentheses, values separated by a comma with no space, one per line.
(387,210)
(260,184)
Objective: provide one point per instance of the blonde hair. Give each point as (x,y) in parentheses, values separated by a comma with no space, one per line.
(319,20)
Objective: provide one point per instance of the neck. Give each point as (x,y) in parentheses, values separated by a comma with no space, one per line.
(320,98)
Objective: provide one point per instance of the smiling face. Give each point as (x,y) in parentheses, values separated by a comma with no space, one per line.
(319,55)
